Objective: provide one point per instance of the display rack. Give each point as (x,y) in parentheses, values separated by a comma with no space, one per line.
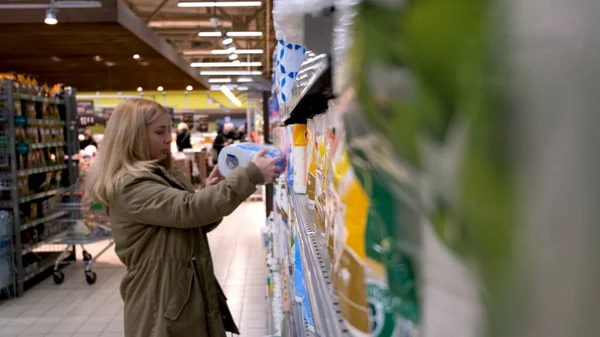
(317,271)
(34,232)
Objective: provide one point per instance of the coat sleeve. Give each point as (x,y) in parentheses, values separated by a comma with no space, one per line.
(147,201)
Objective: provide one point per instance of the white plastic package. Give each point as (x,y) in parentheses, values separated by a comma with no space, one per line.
(241,154)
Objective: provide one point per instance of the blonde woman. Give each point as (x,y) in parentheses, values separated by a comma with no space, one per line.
(160,223)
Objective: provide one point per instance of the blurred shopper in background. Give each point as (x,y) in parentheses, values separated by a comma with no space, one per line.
(225,136)
(87,140)
(183,137)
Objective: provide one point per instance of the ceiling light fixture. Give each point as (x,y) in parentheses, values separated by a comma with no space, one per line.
(230,72)
(237,51)
(242,88)
(230,50)
(189,88)
(160,88)
(244,80)
(136,56)
(140,89)
(220,4)
(225,90)
(97,58)
(227,41)
(225,64)
(209,34)
(219,80)
(51,16)
(233,56)
(240,34)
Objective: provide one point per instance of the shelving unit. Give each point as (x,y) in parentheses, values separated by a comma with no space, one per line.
(317,272)
(35,220)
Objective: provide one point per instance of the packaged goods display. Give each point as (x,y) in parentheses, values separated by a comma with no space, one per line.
(409,207)
(241,154)
(411,103)
(299,156)
(35,170)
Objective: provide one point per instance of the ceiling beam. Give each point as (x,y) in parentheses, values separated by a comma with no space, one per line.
(254,15)
(158,8)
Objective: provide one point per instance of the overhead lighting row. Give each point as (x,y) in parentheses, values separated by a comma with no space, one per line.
(230,72)
(160,88)
(228,80)
(230,34)
(225,64)
(237,51)
(195,4)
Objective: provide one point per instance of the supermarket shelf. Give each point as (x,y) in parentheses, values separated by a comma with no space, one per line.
(312,89)
(45,145)
(45,122)
(297,318)
(36,222)
(46,264)
(28,172)
(46,241)
(317,274)
(41,99)
(34,197)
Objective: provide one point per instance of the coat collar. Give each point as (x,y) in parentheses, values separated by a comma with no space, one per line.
(174,178)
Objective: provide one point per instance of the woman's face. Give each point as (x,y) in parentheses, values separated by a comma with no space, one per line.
(159,137)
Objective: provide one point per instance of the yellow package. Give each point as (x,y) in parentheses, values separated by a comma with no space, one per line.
(349,267)
(299,156)
(311,182)
(321,174)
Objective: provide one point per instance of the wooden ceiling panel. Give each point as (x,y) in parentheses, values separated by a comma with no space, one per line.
(67,51)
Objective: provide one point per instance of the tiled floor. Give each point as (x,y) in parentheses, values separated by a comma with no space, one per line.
(76,309)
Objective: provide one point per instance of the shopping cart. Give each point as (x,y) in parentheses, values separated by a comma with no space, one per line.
(87,223)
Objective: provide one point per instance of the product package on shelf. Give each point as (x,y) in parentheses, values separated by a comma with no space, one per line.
(299,156)
(311,180)
(345,11)
(350,206)
(392,231)
(290,156)
(413,116)
(322,164)
(289,57)
(241,154)
(288,17)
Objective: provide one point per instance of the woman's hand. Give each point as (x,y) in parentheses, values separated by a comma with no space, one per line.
(267,166)
(214,178)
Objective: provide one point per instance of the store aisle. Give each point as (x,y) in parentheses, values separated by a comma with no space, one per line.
(75,309)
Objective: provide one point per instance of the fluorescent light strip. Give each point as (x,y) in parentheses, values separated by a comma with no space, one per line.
(219,80)
(225,90)
(237,51)
(239,34)
(217,87)
(209,34)
(230,72)
(244,80)
(220,4)
(225,64)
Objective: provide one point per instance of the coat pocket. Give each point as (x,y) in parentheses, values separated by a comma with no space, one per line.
(181,295)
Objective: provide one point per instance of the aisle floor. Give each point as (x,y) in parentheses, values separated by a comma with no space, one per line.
(76,309)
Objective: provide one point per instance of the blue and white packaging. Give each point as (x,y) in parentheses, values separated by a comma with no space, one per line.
(241,154)
(289,58)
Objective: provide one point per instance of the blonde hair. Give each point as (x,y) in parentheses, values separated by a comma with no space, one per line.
(124,151)
(182,126)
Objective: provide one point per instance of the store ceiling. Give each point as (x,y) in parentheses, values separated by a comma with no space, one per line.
(163,34)
(180,26)
(92,50)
